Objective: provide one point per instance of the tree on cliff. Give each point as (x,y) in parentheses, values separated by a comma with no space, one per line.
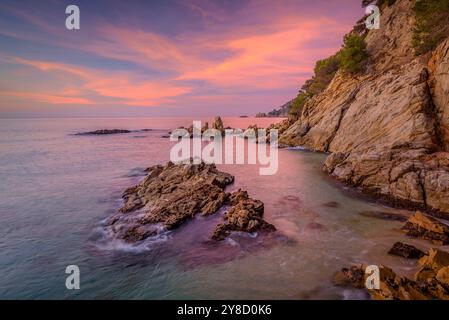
(353,56)
(431,24)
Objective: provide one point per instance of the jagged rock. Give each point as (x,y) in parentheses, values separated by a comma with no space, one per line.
(443,276)
(218,124)
(172,194)
(395,287)
(423,226)
(430,264)
(245,214)
(406,251)
(392,286)
(430,282)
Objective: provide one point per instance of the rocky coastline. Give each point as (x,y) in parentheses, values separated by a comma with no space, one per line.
(386,127)
(431,279)
(173,194)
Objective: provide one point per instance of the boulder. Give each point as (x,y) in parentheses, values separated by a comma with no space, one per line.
(406,251)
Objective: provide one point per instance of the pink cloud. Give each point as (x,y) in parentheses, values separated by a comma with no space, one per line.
(119,85)
(45,97)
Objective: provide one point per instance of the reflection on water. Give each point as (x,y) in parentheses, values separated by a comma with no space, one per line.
(58,188)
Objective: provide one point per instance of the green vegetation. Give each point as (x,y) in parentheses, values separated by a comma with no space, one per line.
(431,24)
(324,72)
(353,56)
(297,104)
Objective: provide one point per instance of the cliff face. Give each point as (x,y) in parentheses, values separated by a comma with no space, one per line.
(387,129)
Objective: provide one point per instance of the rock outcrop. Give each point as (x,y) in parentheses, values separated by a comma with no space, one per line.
(386,129)
(173,194)
(405,250)
(245,214)
(216,125)
(423,226)
(109,131)
(430,282)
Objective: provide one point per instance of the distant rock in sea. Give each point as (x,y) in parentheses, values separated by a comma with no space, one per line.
(109,131)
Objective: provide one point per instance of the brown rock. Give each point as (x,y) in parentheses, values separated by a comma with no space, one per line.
(245,214)
(431,264)
(392,286)
(172,194)
(353,276)
(423,226)
(443,276)
(387,129)
(406,251)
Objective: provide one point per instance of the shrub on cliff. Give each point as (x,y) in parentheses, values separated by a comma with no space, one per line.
(297,104)
(353,56)
(324,72)
(431,24)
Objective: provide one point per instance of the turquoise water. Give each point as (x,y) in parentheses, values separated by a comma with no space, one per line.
(57,188)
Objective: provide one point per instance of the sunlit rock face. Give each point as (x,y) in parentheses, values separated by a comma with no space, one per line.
(387,129)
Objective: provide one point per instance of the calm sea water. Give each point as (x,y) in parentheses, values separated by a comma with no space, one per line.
(57,188)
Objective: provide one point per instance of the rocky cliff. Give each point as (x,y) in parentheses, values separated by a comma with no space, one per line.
(386,129)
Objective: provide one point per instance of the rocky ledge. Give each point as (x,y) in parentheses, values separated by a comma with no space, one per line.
(426,227)
(173,194)
(431,281)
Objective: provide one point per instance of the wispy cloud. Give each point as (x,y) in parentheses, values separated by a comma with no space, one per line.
(216,53)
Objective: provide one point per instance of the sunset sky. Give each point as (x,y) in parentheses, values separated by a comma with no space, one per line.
(163,58)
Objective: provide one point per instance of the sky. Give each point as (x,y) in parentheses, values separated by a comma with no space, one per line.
(163,58)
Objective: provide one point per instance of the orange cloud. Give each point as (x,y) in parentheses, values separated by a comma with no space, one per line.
(45,97)
(268,60)
(264,46)
(120,86)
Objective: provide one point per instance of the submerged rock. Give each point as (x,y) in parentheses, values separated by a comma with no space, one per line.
(406,251)
(331,204)
(384,215)
(423,226)
(172,194)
